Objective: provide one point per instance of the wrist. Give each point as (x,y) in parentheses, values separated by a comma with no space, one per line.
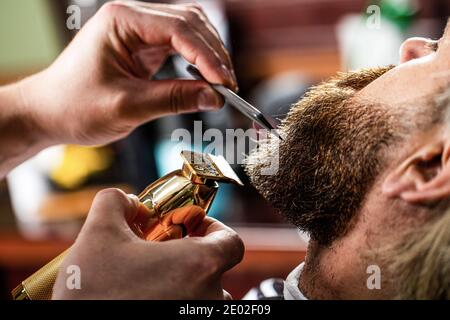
(19,122)
(21,136)
(32,109)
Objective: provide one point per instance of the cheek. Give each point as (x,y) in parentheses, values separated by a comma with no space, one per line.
(382,220)
(376,221)
(405,83)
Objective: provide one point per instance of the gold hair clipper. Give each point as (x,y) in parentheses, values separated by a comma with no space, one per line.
(195,184)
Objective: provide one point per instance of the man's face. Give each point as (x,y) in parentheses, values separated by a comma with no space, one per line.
(345,136)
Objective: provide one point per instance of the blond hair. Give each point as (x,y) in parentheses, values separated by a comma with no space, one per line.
(420,264)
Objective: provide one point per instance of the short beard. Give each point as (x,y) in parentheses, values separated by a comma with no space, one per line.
(329,158)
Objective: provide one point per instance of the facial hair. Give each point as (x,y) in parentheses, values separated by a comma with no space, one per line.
(329,157)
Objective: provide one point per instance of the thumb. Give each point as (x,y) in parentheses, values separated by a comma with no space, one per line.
(221,242)
(110,211)
(166,97)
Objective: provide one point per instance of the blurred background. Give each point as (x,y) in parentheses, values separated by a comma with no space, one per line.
(279,49)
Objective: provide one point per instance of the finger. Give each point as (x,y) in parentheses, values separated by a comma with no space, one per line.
(191,217)
(204,227)
(221,242)
(110,211)
(194,48)
(149,100)
(204,27)
(197,7)
(203,17)
(172,224)
(155,27)
(194,14)
(199,21)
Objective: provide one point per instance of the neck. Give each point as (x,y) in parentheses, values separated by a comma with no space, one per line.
(338,272)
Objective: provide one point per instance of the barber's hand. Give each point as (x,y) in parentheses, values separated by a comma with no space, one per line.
(116,264)
(99,89)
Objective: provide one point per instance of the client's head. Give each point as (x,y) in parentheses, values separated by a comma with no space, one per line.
(364,161)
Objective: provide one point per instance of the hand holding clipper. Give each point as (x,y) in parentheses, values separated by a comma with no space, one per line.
(195,184)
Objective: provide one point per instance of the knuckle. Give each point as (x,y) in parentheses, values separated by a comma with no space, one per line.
(107,199)
(120,102)
(115,196)
(176,97)
(195,6)
(111,8)
(98,228)
(111,193)
(98,231)
(180,24)
(193,16)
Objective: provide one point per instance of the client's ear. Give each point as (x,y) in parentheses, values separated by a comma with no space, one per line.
(422,178)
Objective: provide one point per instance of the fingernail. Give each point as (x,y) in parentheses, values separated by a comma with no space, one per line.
(208,99)
(227,74)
